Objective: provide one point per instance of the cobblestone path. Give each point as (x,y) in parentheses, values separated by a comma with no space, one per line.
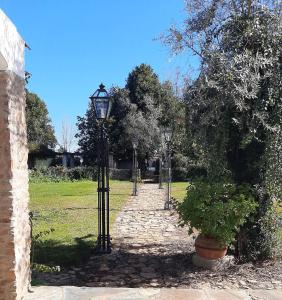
(150,250)
(146,239)
(144,227)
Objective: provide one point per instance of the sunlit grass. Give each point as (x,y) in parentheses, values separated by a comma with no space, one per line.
(178,190)
(70,210)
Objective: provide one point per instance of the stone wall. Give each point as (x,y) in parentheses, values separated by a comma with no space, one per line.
(14,219)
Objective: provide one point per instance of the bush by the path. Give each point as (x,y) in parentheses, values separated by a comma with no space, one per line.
(59,173)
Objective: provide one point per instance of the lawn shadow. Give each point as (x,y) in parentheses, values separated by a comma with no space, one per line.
(87,208)
(126,267)
(150,265)
(52,252)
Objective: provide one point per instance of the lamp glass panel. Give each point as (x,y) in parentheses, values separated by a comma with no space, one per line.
(110,103)
(101,107)
(135,143)
(168,134)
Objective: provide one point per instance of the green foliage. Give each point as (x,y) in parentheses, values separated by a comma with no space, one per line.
(120,174)
(271,245)
(39,128)
(120,143)
(60,173)
(217,210)
(234,107)
(87,136)
(179,167)
(134,113)
(142,83)
(179,174)
(183,168)
(41,268)
(172,114)
(139,110)
(141,120)
(268,225)
(36,242)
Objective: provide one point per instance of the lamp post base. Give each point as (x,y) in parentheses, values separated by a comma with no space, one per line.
(104,245)
(135,189)
(167,205)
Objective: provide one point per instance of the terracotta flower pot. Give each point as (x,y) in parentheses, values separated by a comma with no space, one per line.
(209,248)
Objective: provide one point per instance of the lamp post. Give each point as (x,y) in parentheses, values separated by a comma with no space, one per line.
(167,136)
(134,165)
(102,102)
(160,169)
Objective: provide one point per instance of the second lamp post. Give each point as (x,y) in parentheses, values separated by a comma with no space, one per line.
(101,102)
(134,166)
(167,135)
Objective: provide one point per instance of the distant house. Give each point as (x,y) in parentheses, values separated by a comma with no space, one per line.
(70,159)
(45,157)
(40,157)
(123,164)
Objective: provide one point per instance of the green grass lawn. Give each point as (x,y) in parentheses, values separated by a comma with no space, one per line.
(178,190)
(279,210)
(65,219)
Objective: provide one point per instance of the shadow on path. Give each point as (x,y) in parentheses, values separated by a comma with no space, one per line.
(127,268)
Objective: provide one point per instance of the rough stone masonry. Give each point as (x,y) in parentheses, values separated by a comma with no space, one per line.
(14,218)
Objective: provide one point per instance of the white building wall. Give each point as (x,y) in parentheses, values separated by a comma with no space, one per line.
(11,47)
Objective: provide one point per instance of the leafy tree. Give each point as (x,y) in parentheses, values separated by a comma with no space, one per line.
(127,122)
(88,133)
(143,120)
(40,131)
(138,111)
(145,128)
(172,114)
(120,142)
(143,84)
(88,129)
(234,108)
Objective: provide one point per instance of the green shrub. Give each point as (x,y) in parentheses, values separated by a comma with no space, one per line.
(80,173)
(120,174)
(179,174)
(195,171)
(60,173)
(179,167)
(217,210)
(182,169)
(269,245)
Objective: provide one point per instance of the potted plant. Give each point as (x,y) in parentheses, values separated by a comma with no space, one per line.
(216,210)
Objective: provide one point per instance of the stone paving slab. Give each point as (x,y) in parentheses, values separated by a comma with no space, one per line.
(85,293)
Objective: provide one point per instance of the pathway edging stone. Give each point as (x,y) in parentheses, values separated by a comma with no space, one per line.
(82,293)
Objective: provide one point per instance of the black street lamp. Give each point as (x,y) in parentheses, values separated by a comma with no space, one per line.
(167,136)
(160,153)
(134,166)
(102,103)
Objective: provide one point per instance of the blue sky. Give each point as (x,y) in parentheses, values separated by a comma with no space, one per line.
(78,44)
